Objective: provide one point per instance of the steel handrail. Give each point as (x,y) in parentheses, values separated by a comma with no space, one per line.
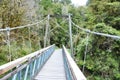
(9,66)
(75,72)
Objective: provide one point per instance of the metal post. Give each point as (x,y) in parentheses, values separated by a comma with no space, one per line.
(14,77)
(70,33)
(33,71)
(38,37)
(46,32)
(86,48)
(26,73)
(30,40)
(8,41)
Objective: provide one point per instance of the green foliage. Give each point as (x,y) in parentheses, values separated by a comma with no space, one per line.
(11,13)
(47,4)
(66,1)
(101,27)
(103,53)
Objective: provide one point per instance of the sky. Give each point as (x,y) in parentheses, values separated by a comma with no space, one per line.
(79,2)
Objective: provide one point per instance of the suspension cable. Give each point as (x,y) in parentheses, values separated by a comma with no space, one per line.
(28,25)
(19,27)
(96,33)
(38,36)
(58,26)
(92,32)
(61,27)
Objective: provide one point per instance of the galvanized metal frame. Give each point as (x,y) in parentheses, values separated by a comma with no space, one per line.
(31,67)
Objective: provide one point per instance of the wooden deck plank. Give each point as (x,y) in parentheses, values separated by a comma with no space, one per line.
(53,69)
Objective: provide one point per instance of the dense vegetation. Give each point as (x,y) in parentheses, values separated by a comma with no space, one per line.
(103,53)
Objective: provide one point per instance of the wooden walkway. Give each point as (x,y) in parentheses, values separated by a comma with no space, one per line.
(53,69)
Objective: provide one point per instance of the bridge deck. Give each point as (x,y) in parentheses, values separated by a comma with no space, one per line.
(54,68)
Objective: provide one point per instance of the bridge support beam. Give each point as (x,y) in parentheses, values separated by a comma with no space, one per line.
(46,32)
(70,33)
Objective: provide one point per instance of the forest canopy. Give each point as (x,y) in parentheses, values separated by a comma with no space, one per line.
(102,53)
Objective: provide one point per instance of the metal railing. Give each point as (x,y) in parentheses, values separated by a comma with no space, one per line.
(72,71)
(27,67)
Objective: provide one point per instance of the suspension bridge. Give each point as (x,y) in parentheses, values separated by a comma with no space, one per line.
(47,63)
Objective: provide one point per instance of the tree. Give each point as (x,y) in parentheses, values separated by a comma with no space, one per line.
(66,1)
(12,13)
(103,53)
